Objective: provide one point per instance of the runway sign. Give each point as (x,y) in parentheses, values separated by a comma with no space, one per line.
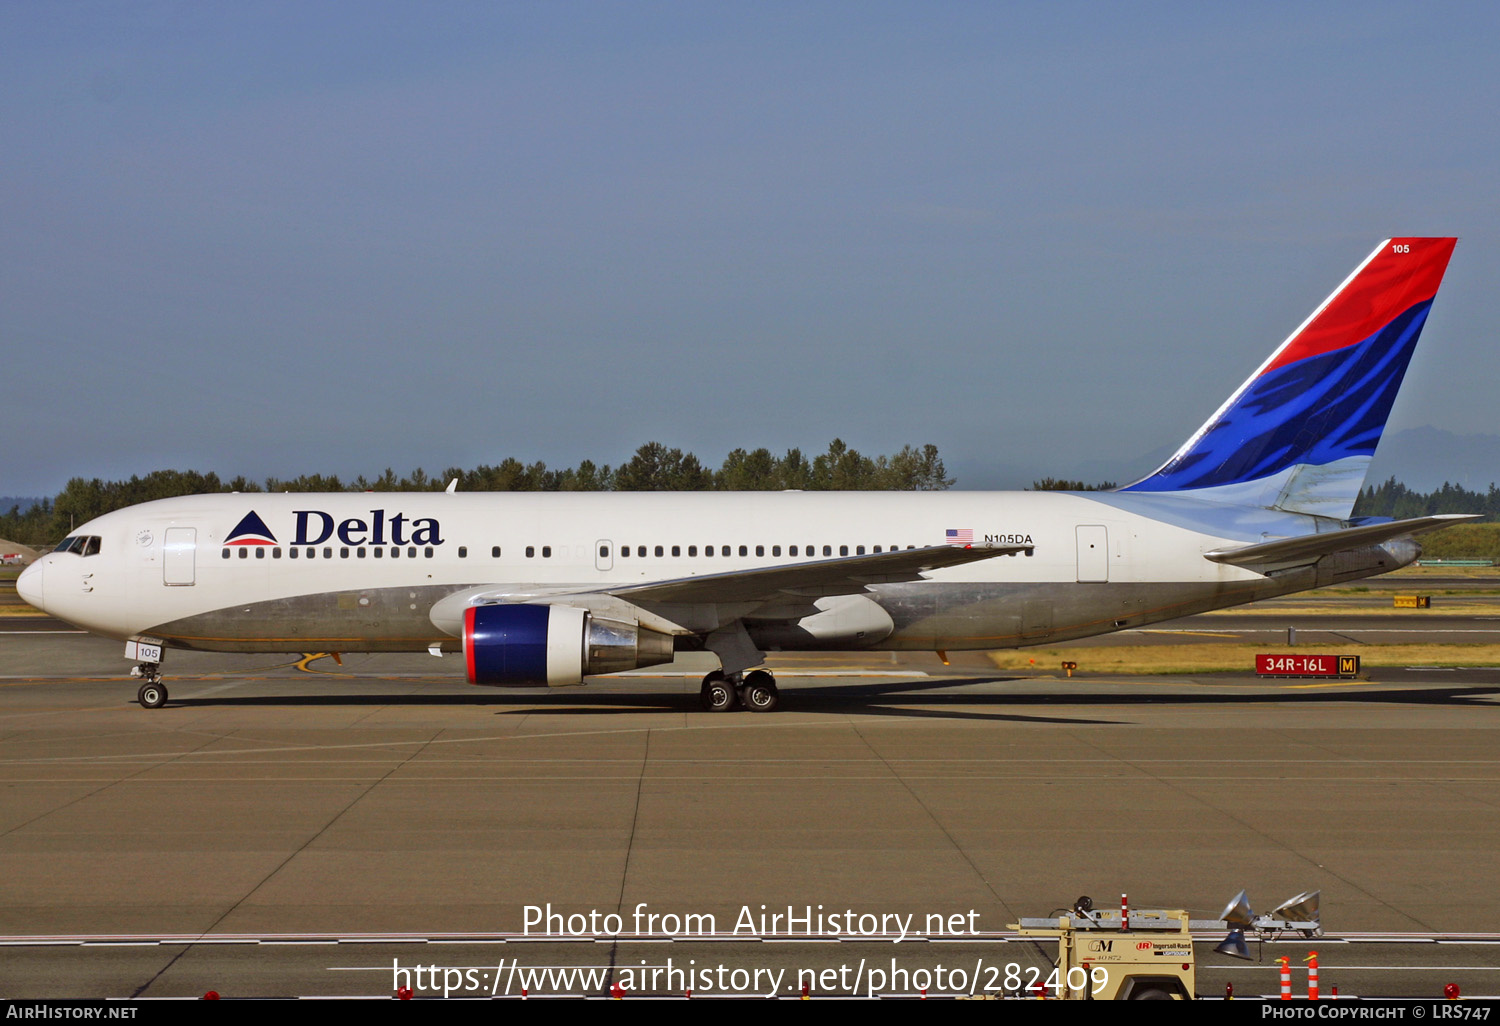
(1287,665)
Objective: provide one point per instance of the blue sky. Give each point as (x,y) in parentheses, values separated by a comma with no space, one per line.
(334,237)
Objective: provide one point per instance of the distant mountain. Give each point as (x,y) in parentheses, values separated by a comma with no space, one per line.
(1424,458)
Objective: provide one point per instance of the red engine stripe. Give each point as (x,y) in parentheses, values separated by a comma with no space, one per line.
(469,642)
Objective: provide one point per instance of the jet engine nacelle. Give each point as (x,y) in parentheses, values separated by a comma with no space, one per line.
(512,645)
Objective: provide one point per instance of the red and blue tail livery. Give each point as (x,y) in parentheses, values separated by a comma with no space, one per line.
(1300,433)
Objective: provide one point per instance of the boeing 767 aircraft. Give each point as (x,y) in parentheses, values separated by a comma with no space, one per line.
(548,588)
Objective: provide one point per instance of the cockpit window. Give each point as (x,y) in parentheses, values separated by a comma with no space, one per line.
(66,544)
(81,544)
(91,545)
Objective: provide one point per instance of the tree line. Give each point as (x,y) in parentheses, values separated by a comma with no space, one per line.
(654,467)
(1394,499)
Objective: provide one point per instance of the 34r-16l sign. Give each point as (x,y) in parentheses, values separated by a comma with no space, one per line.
(1306,665)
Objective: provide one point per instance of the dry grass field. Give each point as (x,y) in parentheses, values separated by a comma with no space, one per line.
(1149,660)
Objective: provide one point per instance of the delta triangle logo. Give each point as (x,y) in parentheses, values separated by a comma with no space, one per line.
(251,531)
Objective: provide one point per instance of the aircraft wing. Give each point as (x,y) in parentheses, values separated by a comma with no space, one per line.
(839,576)
(1310,547)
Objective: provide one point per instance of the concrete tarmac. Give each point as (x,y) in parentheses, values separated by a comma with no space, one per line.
(289,826)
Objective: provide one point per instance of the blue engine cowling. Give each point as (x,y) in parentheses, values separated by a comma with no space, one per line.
(513,645)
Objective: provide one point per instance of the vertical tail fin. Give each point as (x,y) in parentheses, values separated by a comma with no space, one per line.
(1300,433)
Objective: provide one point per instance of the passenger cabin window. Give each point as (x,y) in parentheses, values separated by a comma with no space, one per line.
(546,551)
(291,553)
(224,551)
(624,551)
(328,552)
(859,550)
(427,552)
(692,550)
(530,551)
(244,553)
(411,552)
(463,552)
(708,550)
(792,550)
(744,551)
(775,550)
(260,553)
(658,551)
(604,552)
(495,552)
(640,550)
(827,550)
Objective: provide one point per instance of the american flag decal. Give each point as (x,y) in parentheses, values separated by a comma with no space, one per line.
(959,536)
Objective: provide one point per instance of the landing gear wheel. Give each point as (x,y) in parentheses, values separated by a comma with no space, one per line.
(759,693)
(717,694)
(152,695)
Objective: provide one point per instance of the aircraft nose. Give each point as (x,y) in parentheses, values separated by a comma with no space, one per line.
(29,585)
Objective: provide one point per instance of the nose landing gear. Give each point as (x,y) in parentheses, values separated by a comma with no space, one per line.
(153,693)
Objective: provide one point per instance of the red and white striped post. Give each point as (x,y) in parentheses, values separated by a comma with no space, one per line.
(1124,913)
(1286,978)
(1312,975)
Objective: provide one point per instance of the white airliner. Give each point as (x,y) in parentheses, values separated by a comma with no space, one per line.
(548,588)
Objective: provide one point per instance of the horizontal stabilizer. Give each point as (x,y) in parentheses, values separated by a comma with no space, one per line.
(840,576)
(1310,547)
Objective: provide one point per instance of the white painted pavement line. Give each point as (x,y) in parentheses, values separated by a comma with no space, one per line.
(785,671)
(354,938)
(1323,630)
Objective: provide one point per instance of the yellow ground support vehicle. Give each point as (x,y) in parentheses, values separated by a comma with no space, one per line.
(1152,959)
(1148,954)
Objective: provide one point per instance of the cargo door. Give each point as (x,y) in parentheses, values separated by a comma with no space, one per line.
(1093,554)
(1036,619)
(179,552)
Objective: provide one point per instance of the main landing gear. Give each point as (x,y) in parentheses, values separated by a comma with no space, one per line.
(755,691)
(153,693)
